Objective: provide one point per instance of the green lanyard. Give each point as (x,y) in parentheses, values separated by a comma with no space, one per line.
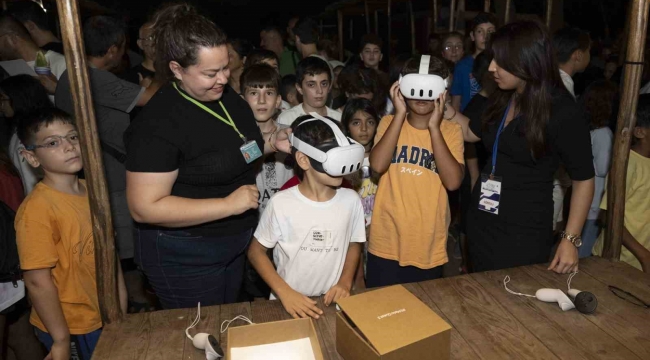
(228,122)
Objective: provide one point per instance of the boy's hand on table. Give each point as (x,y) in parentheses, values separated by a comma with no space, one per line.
(60,351)
(337,291)
(299,305)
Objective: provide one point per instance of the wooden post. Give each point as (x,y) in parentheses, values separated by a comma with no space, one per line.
(452,15)
(507,14)
(486,6)
(549,13)
(412,26)
(339,14)
(320,27)
(365,4)
(377,22)
(626,122)
(435,17)
(351,29)
(390,30)
(105,259)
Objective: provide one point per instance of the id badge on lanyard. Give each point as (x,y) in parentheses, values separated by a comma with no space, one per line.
(250,151)
(491,184)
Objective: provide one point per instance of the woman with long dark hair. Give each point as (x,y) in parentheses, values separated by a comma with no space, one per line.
(531,124)
(192,156)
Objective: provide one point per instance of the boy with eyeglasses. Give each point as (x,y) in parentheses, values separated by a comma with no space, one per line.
(465,86)
(55,239)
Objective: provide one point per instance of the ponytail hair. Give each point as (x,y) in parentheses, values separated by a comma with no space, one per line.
(180,32)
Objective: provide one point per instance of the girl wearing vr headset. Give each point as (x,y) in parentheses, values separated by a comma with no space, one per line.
(531,124)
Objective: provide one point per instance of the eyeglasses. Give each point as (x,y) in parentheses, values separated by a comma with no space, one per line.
(631,298)
(455,47)
(55,141)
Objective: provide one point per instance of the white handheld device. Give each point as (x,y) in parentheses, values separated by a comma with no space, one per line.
(422,86)
(204,341)
(336,159)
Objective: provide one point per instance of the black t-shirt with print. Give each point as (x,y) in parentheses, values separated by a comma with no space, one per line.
(173,133)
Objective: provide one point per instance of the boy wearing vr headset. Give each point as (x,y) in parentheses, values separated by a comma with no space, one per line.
(316,229)
(420,156)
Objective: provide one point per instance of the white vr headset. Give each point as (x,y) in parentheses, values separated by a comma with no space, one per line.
(342,158)
(422,86)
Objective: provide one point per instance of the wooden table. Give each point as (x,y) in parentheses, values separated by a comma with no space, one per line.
(488,323)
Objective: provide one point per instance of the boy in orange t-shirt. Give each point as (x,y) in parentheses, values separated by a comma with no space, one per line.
(420,157)
(55,240)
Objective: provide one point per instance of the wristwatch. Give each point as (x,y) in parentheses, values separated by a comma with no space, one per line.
(576,240)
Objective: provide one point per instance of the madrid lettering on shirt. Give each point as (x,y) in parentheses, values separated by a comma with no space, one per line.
(415,159)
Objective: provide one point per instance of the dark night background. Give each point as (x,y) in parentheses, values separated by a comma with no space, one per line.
(245,18)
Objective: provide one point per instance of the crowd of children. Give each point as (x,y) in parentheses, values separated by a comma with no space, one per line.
(214,201)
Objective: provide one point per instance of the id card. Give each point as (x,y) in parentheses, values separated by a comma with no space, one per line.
(251,151)
(490,194)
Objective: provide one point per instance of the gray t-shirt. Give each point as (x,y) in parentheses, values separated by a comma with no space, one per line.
(113,98)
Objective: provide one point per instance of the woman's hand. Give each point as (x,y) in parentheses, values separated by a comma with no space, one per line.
(398,100)
(300,306)
(282,140)
(438,111)
(243,199)
(566,258)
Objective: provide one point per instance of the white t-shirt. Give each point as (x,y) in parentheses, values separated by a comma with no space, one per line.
(28,174)
(276,170)
(310,239)
(289,116)
(10,295)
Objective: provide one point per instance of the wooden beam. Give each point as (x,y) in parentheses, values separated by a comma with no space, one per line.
(105,259)
(486,6)
(549,13)
(507,13)
(452,15)
(412,27)
(377,22)
(435,17)
(365,5)
(339,14)
(390,25)
(626,122)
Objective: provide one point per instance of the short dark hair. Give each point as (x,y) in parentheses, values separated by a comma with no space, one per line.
(351,108)
(101,32)
(180,32)
(436,66)
(31,124)
(288,85)
(598,102)
(307,29)
(315,133)
(330,48)
(259,76)
(26,94)
(483,18)
(370,39)
(258,56)
(312,66)
(566,41)
(243,47)
(643,111)
(25,11)
(356,79)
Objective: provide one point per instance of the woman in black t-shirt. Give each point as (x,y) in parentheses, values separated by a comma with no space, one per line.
(191,161)
(510,218)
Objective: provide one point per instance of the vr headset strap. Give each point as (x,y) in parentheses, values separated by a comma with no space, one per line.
(424,64)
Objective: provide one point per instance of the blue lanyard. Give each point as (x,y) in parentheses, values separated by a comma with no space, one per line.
(495,147)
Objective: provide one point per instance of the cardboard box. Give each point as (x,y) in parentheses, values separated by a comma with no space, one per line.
(390,324)
(273,332)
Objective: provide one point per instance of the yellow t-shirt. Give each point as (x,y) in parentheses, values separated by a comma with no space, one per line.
(637,207)
(53,230)
(411,214)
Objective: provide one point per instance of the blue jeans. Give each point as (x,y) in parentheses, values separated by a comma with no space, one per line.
(590,232)
(81,346)
(185,269)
